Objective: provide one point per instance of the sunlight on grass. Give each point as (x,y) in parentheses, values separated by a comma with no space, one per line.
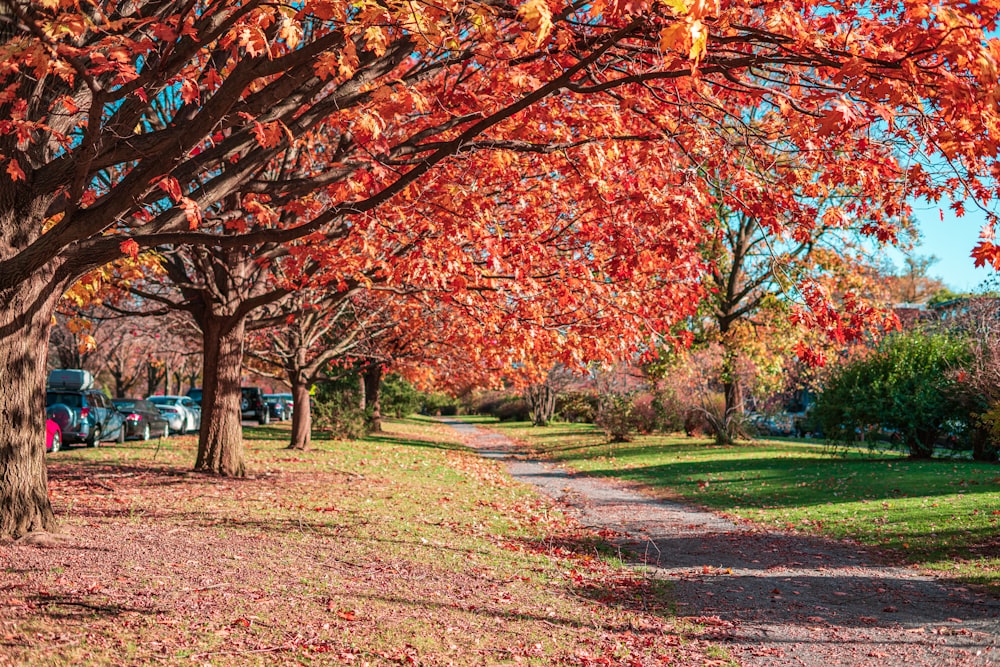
(937,514)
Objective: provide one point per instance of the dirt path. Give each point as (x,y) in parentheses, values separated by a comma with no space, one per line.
(776,599)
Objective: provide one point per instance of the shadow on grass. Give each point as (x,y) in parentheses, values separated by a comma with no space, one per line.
(281,433)
(495,611)
(277,431)
(788,483)
(75,608)
(389,439)
(95,472)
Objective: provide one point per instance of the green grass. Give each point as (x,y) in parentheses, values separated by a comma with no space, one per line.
(941,515)
(399,548)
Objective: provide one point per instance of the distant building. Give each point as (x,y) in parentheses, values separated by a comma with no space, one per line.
(911,315)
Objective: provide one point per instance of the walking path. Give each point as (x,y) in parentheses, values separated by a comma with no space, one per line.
(775,599)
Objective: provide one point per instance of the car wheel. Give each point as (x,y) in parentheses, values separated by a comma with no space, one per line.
(145,432)
(56,442)
(61,414)
(95,437)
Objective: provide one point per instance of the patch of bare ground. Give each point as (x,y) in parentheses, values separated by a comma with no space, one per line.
(398,550)
(775,599)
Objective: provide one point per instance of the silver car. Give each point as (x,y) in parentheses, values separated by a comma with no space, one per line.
(183,414)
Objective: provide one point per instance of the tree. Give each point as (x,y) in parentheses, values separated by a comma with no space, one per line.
(911,282)
(219,289)
(541,395)
(808,231)
(314,329)
(128,125)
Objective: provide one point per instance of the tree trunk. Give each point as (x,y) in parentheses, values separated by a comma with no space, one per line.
(373,401)
(26,313)
(542,401)
(153,377)
(302,415)
(732,391)
(119,379)
(220,443)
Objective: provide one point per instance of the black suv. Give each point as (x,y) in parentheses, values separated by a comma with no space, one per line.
(252,405)
(84,414)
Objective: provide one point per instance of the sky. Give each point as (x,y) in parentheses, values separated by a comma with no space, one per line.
(950,241)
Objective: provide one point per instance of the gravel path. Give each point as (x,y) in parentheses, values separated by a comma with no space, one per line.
(775,599)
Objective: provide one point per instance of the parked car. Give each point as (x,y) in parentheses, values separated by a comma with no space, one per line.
(183,414)
(53,436)
(289,401)
(195,394)
(142,418)
(280,408)
(252,405)
(83,413)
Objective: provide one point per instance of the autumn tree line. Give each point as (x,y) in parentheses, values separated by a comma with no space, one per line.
(482,186)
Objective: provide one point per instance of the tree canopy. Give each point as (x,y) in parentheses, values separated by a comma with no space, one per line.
(523,140)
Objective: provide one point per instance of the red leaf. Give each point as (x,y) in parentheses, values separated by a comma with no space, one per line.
(130,247)
(189,91)
(14,169)
(191,211)
(170,185)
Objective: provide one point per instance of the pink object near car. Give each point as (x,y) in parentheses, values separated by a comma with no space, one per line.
(53,436)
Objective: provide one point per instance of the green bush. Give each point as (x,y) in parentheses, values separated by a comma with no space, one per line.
(670,410)
(438,403)
(577,406)
(903,393)
(617,417)
(398,397)
(513,409)
(340,415)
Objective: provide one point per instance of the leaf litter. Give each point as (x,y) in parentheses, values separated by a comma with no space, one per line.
(363,553)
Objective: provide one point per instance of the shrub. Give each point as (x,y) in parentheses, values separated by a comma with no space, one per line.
(670,410)
(513,409)
(577,406)
(340,415)
(904,392)
(438,403)
(398,397)
(616,417)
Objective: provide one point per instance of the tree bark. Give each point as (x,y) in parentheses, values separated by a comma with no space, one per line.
(542,400)
(373,397)
(302,416)
(26,313)
(220,443)
(153,377)
(732,391)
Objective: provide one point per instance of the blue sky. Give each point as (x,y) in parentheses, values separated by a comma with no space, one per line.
(951,241)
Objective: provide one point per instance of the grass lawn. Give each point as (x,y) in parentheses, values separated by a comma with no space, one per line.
(941,515)
(399,549)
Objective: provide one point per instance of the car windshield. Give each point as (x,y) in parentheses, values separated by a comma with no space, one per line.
(66,398)
(124,405)
(164,400)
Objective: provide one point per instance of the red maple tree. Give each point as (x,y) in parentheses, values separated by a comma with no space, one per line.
(129,125)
